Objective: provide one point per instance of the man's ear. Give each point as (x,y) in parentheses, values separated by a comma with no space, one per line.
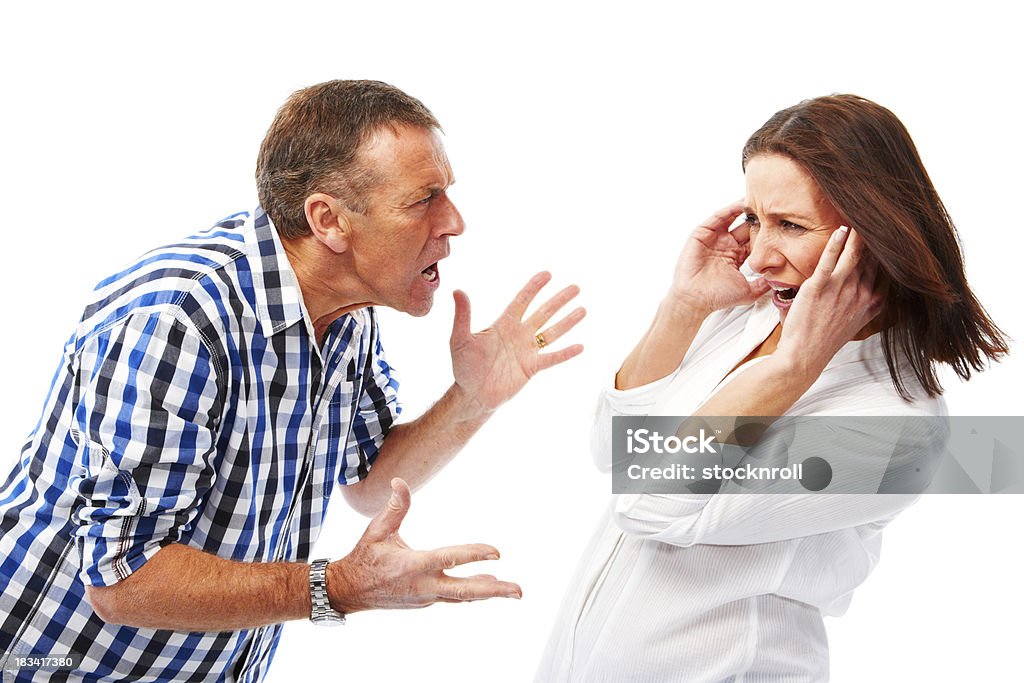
(328,221)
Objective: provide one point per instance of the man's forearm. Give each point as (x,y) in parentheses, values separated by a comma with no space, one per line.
(185,589)
(417,450)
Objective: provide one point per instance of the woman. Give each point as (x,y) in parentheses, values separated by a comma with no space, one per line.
(861,294)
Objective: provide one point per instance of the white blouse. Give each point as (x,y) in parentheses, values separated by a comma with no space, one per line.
(725,587)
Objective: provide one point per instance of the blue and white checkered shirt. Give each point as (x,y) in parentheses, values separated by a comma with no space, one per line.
(193,406)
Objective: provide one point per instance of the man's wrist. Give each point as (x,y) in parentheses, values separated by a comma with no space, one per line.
(322,611)
(467,409)
(339,591)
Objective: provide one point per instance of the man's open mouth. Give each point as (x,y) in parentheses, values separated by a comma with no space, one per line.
(429,273)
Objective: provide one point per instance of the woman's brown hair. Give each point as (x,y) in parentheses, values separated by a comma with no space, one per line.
(862,158)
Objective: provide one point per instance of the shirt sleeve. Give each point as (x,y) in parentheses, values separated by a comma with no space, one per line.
(377,412)
(641,400)
(146,410)
(612,402)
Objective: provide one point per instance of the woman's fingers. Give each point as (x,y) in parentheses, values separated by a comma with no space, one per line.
(829,259)
(852,260)
(741,233)
(720,220)
(758,288)
(848,267)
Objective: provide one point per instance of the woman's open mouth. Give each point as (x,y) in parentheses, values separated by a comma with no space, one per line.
(783,296)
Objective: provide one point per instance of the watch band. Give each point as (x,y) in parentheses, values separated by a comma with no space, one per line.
(322,614)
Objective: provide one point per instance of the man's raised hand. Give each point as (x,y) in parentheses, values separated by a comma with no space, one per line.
(382,572)
(492,365)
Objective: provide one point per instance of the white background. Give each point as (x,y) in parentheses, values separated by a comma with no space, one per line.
(587,140)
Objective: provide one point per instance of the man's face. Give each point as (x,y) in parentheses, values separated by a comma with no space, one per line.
(397,242)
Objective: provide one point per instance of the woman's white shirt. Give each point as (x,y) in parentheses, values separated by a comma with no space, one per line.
(725,587)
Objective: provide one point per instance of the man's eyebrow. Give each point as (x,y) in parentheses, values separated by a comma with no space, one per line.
(433,188)
(440,186)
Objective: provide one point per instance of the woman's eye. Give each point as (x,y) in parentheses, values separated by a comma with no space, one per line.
(792,226)
(751,220)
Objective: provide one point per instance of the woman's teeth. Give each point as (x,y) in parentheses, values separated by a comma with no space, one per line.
(785,293)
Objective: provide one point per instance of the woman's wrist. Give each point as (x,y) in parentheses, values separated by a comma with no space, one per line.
(801,369)
(663,347)
(678,306)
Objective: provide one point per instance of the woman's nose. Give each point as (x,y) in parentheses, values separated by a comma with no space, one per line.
(764,252)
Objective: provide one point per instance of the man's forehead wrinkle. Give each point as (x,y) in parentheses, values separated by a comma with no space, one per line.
(406,161)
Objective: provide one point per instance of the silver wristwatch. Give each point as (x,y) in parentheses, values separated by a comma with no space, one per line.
(322,614)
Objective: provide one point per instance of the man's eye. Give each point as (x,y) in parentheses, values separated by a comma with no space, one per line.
(426,200)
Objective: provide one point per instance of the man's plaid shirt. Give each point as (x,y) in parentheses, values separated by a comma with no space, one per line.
(193,406)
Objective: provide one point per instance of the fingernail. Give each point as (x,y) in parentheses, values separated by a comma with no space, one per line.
(492,556)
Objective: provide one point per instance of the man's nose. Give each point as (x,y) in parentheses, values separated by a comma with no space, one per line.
(449,221)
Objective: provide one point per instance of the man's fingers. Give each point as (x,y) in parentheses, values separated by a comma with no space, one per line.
(550,307)
(454,555)
(723,218)
(455,589)
(390,518)
(517,308)
(570,321)
(547,360)
(461,325)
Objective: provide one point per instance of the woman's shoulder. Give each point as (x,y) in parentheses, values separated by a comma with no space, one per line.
(858,382)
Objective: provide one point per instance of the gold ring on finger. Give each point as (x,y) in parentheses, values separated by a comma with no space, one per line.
(541,342)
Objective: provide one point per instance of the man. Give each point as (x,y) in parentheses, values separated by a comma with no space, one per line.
(160,521)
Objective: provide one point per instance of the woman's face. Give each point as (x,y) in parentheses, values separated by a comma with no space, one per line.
(790,223)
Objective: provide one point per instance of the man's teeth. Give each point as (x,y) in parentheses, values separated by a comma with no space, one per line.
(430,274)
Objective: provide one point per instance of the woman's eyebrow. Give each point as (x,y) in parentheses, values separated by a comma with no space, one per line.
(783,214)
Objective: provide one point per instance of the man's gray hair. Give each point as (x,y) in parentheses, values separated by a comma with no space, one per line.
(313,143)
